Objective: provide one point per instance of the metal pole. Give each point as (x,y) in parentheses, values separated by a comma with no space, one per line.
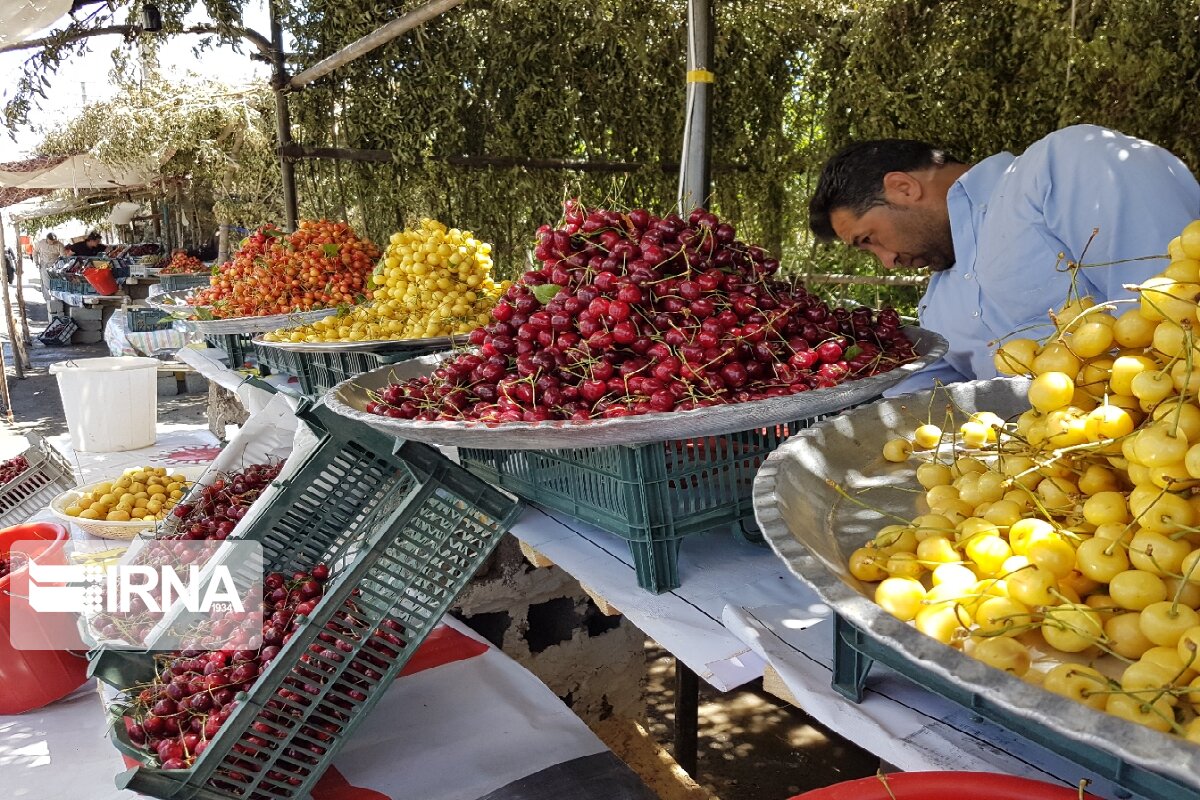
(695,165)
(25,337)
(377,38)
(283,121)
(18,346)
(687,716)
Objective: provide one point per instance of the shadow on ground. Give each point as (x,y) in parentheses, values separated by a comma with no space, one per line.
(753,746)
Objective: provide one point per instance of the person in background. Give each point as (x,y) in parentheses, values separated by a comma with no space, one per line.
(46,251)
(995,234)
(90,246)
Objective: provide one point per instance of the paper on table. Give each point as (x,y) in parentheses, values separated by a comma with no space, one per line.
(904,724)
(716,569)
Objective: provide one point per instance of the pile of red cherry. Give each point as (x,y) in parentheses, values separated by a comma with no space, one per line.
(221,504)
(630,313)
(194,693)
(12,468)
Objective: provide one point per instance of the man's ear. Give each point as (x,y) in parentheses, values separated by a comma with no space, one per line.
(902,188)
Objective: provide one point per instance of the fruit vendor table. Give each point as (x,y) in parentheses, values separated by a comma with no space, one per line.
(739,611)
(462,722)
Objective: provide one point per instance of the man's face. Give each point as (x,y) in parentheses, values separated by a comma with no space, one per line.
(900,236)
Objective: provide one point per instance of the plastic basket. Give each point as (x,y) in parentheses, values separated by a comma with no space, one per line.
(236,345)
(179,282)
(401,523)
(49,473)
(273,361)
(318,372)
(652,495)
(144,320)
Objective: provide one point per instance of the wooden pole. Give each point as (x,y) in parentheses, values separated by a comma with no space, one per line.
(25,337)
(8,409)
(283,121)
(18,346)
(366,44)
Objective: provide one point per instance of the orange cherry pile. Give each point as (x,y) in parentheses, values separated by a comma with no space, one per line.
(323,264)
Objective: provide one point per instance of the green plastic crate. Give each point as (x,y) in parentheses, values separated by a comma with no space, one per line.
(319,372)
(273,361)
(142,320)
(177,283)
(238,346)
(652,495)
(399,522)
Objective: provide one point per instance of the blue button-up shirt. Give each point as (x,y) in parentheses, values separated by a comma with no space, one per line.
(1011,218)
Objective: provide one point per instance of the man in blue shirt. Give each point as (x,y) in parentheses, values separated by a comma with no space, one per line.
(998,235)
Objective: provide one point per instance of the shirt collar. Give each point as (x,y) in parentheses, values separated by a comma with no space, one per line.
(966,203)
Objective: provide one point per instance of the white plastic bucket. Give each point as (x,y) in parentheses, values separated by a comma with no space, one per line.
(111,404)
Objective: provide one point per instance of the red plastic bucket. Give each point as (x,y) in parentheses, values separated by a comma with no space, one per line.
(102,280)
(30,679)
(944,786)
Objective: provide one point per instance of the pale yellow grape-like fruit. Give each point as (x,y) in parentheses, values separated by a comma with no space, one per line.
(1091,339)
(1015,357)
(1056,357)
(1132,330)
(900,597)
(1189,240)
(927,437)
(897,450)
(1003,653)
(1051,391)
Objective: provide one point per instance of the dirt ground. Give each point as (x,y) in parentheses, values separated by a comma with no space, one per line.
(752,746)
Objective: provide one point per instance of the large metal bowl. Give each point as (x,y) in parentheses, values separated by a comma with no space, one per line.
(350,399)
(814,529)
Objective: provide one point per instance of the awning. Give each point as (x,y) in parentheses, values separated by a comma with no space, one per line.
(82,172)
(21,19)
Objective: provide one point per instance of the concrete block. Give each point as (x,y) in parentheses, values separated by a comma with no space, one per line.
(196,382)
(168,384)
(89,324)
(95,313)
(87,337)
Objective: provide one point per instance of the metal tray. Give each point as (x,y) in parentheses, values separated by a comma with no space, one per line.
(814,530)
(381,346)
(174,304)
(350,398)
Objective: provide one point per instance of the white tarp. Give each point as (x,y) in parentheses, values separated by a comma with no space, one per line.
(22,19)
(81,172)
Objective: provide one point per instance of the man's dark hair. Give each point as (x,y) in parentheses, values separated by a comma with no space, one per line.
(93,235)
(853,178)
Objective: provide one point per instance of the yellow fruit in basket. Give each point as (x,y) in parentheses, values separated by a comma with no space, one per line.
(154,506)
(72,510)
(1050,391)
(117,515)
(89,513)
(1015,357)
(177,478)
(1189,240)
(1133,330)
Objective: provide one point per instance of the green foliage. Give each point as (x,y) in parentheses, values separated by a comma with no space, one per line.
(598,82)
(219,140)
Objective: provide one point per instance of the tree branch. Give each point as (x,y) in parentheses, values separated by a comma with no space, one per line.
(260,42)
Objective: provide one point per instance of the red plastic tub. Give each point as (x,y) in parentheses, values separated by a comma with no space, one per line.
(944,786)
(102,280)
(30,679)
